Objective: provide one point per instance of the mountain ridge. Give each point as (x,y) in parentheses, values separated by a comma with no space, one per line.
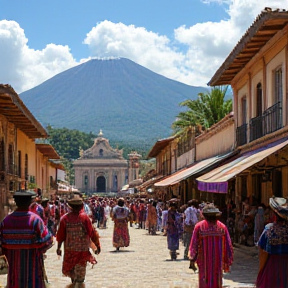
(126,100)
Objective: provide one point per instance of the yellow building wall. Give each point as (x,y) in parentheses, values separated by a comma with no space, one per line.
(217,144)
(26,146)
(245,82)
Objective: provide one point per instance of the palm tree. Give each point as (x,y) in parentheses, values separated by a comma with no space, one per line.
(202,113)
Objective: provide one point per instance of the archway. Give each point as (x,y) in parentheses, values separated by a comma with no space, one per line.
(101,184)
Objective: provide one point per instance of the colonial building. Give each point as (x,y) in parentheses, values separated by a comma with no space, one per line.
(180,160)
(103,169)
(257,70)
(23,163)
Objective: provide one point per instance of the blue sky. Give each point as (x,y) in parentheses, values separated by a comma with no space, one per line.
(185,40)
(67,22)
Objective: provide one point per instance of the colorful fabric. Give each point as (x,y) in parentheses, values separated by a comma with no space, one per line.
(152,219)
(274,240)
(212,250)
(152,215)
(164,218)
(121,236)
(119,212)
(173,229)
(274,273)
(24,238)
(77,232)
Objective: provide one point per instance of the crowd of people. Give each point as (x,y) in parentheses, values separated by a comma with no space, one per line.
(30,230)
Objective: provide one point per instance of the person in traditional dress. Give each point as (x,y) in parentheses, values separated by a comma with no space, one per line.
(259,224)
(23,240)
(190,220)
(78,235)
(164,220)
(142,214)
(173,229)
(37,208)
(120,216)
(273,248)
(152,217)
(210,248)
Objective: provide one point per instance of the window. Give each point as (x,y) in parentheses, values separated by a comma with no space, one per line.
(259,100)
(278,85)
(101,152)
(26,167)
(19,164)
(85,180)
(243,110)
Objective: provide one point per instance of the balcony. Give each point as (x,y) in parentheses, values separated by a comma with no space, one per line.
(272,118)
(12,169)
(269,122)
(241,135)
(256,128)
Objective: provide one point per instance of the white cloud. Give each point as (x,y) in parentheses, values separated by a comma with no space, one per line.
(22,67)
(207,45)
(146,48)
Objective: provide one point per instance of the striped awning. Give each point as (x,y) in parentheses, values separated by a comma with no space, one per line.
(217,179)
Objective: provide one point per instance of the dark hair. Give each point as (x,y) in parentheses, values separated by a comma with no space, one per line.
(76,207)
(121,202)
(210,217)
(173,204)
(22,201)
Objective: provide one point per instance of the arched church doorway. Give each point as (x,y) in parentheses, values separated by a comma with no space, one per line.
(101,184)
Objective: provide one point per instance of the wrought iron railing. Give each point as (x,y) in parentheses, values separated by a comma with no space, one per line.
(273,118)
(269,122)
(241,135)
(256,128)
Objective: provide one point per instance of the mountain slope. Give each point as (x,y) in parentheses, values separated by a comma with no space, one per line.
(127,101)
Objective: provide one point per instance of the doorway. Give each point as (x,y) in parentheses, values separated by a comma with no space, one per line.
(101,184)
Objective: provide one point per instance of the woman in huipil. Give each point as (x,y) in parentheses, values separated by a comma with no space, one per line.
(273,248)
(120,216)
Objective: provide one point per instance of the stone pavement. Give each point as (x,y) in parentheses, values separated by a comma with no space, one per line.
(146,263)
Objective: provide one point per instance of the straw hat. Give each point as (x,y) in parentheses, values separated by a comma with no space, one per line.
(76,200)
(279,206)
(210,209)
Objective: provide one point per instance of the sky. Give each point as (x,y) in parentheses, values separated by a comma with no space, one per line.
(184,40)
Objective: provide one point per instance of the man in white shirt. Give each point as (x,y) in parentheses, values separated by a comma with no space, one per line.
(190,220)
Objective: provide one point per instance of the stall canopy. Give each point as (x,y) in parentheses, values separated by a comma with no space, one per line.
(192,170)
(217,180)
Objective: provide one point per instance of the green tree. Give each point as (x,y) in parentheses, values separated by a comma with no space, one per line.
(202,113)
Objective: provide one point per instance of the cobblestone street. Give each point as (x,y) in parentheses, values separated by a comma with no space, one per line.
(146,263)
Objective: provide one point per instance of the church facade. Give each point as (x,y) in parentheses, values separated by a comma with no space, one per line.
(101,168)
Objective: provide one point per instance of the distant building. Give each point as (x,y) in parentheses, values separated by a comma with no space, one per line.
(103,169)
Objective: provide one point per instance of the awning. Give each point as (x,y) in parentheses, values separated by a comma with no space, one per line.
(187,172)
(217,179)
(150,182)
